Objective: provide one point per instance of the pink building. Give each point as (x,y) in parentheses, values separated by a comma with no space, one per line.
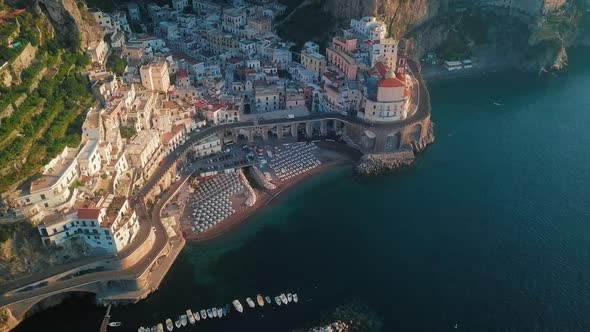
(342,61)
(344,44)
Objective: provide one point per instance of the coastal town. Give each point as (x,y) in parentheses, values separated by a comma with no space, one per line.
(212,115)
(201,115)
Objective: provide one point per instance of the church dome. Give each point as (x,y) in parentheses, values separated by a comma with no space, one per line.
(389,74)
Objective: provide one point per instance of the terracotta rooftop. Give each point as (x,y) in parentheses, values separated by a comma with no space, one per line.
(88,213)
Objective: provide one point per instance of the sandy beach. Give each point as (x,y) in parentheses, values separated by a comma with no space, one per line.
(335,155)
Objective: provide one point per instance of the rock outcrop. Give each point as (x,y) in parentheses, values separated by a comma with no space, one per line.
(260,179)
(7,320)
(251,200)
(73,26)
(374,164)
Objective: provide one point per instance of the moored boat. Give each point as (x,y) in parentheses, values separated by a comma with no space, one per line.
(277,300)
(115,324)
(290,297)
(204,314)
(169,325)
(267,299)
(177,323)
(250,302)
(227,308)
(183,320)
(260,300)
(295,298)
(154,329)
(219,312)
(197,316)
(209,313)
(284,299)
(191,317)
(224,311)
(160,327)
(238,306)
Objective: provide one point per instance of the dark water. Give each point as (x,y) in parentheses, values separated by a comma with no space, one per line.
(490,230)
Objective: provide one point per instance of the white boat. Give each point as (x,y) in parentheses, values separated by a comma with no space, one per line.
(260,300)
(290,297)
(209,313)
(267,299)
(225,311)
(250,302)
(154,329)
(238,306)
(169,325)
(115,324)
(497,104)
(203,314)
(295,298)
(183,320)
(141,329)
(277,300)
(197,316)
(177,323)
(191,317)
(160,327)
(284,299)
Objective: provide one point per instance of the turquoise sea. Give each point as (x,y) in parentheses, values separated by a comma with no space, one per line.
(490,231)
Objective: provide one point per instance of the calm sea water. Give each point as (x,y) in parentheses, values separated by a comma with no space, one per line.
(490,230)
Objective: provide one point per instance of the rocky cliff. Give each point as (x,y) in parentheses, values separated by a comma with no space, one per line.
(74,27)
(526,37)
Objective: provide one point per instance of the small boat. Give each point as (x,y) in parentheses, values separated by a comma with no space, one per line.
(141,329)
(183,320)
(227,309)
(191,317)
(267,299)
(214,311)
(177,323)
(295,298)
(169,325)
(290,297)
(203,314)
(250,302)
(197,316)
(260,300)
(277,300)
(225,312)
(153,329)
(115,324)
(497,104)
(160,327)
(209,313)
(219,312)
(238,306)
(284,299)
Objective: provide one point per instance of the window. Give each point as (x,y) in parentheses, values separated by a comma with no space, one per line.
(46,205)
(43,196)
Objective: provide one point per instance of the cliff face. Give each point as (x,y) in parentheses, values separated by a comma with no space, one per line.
(400,15)
(73,26)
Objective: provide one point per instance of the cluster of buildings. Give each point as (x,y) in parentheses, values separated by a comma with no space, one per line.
(207,66)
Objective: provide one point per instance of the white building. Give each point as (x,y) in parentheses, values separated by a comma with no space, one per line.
(89,159)
(142,147)
(268,98)
(207,146)
(385,50)
(179,5)
(110,225)
(53,191)
(369,28)
(133,10)
(314,62)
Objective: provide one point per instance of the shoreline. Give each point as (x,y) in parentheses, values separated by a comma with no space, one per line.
(265,198)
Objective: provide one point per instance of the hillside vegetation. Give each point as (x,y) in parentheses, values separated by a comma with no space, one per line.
(42,113)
